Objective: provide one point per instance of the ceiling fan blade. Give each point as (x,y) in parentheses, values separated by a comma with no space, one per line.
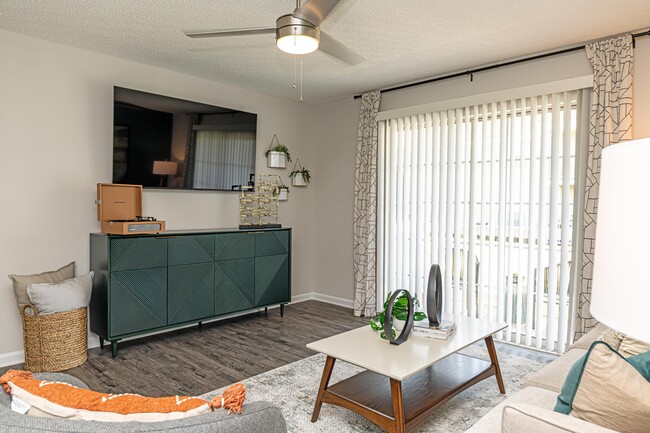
(315,11)
(236,47)
(232,32)
(336,49)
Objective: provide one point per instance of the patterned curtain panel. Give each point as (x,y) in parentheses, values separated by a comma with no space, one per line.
(365,208)
(610,122)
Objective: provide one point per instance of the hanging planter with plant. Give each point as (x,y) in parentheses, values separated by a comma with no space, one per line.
(300,176)
(277,154)
(282,191)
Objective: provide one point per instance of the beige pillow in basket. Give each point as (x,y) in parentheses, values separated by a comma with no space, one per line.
(22,281)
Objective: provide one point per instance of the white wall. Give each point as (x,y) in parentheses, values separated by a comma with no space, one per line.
(336,148)
(56,122)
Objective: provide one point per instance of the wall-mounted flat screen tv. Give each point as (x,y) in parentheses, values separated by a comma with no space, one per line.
(164,142)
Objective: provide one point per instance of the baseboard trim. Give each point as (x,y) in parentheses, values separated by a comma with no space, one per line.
(18,357)
(12,358)
(314,296)
(302,297)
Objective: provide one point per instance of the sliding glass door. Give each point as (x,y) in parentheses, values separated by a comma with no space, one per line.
(487,192)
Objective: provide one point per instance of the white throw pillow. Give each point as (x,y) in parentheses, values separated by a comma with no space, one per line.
(60,297)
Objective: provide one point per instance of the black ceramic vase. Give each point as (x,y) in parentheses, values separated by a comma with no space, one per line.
(388,319)
(434,296)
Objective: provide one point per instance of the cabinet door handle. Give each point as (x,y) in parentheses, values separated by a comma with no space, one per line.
(253,233)
(166,237)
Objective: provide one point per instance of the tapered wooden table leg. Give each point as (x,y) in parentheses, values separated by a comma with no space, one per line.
(398,406)
(489,342)
(324,381)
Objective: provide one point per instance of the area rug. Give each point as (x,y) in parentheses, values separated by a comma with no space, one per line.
(293,388)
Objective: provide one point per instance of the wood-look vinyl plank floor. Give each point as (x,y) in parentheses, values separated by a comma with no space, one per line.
(194,361)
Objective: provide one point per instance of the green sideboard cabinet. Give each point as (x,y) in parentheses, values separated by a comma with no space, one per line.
(146,283)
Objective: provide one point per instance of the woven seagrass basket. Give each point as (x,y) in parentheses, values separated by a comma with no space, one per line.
(54,342)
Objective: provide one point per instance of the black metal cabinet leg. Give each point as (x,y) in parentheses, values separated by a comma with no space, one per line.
(114,348)
(266,311)
(101,343)
(281,310)
(200,325)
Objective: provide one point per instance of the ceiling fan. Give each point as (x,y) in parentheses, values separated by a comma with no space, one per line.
(297,32)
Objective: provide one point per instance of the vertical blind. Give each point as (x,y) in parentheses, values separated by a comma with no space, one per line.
(487,192)
(223,156)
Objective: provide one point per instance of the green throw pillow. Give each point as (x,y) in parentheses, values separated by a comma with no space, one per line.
(565,400)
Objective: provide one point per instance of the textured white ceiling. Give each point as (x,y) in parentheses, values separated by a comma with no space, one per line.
(401,40)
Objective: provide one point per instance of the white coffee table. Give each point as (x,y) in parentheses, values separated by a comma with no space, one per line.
(422,373)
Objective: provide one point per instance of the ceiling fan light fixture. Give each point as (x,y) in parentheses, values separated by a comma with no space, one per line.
(297,44)
(296,36)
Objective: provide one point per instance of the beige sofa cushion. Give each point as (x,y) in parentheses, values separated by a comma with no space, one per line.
(529,418)
(612,337)
(584,343)
(552,376)
(491,422)
(631,347)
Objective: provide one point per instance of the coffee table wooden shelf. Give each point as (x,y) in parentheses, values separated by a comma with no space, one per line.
(404,384)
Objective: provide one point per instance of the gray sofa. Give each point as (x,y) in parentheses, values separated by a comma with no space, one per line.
(531,409)
(257,417)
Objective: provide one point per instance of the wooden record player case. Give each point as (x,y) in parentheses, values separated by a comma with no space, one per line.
(118,207)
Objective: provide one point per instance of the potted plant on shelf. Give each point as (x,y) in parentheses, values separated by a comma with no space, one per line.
(277,155)
(300,176)
(400,309)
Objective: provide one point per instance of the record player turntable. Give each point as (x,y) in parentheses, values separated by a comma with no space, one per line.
(119,209)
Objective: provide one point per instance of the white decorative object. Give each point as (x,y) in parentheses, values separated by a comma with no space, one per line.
(283,193)
(620,295)
(298,180)
(300,176)
(398,324)
(276,160)
(277,155)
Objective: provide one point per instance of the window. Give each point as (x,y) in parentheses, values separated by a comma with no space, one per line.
(222,157)
(486,192)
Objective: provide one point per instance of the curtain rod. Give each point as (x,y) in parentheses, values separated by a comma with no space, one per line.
(471,72)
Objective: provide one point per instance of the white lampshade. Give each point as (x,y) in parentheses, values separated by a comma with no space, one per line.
(620,295)
(165,168)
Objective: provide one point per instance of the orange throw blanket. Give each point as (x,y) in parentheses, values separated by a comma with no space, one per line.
(62,399)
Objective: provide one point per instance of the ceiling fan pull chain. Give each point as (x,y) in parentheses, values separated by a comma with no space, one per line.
(301,79)
(295,72)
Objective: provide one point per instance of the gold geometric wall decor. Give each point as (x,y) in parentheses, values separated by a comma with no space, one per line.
(259,208)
